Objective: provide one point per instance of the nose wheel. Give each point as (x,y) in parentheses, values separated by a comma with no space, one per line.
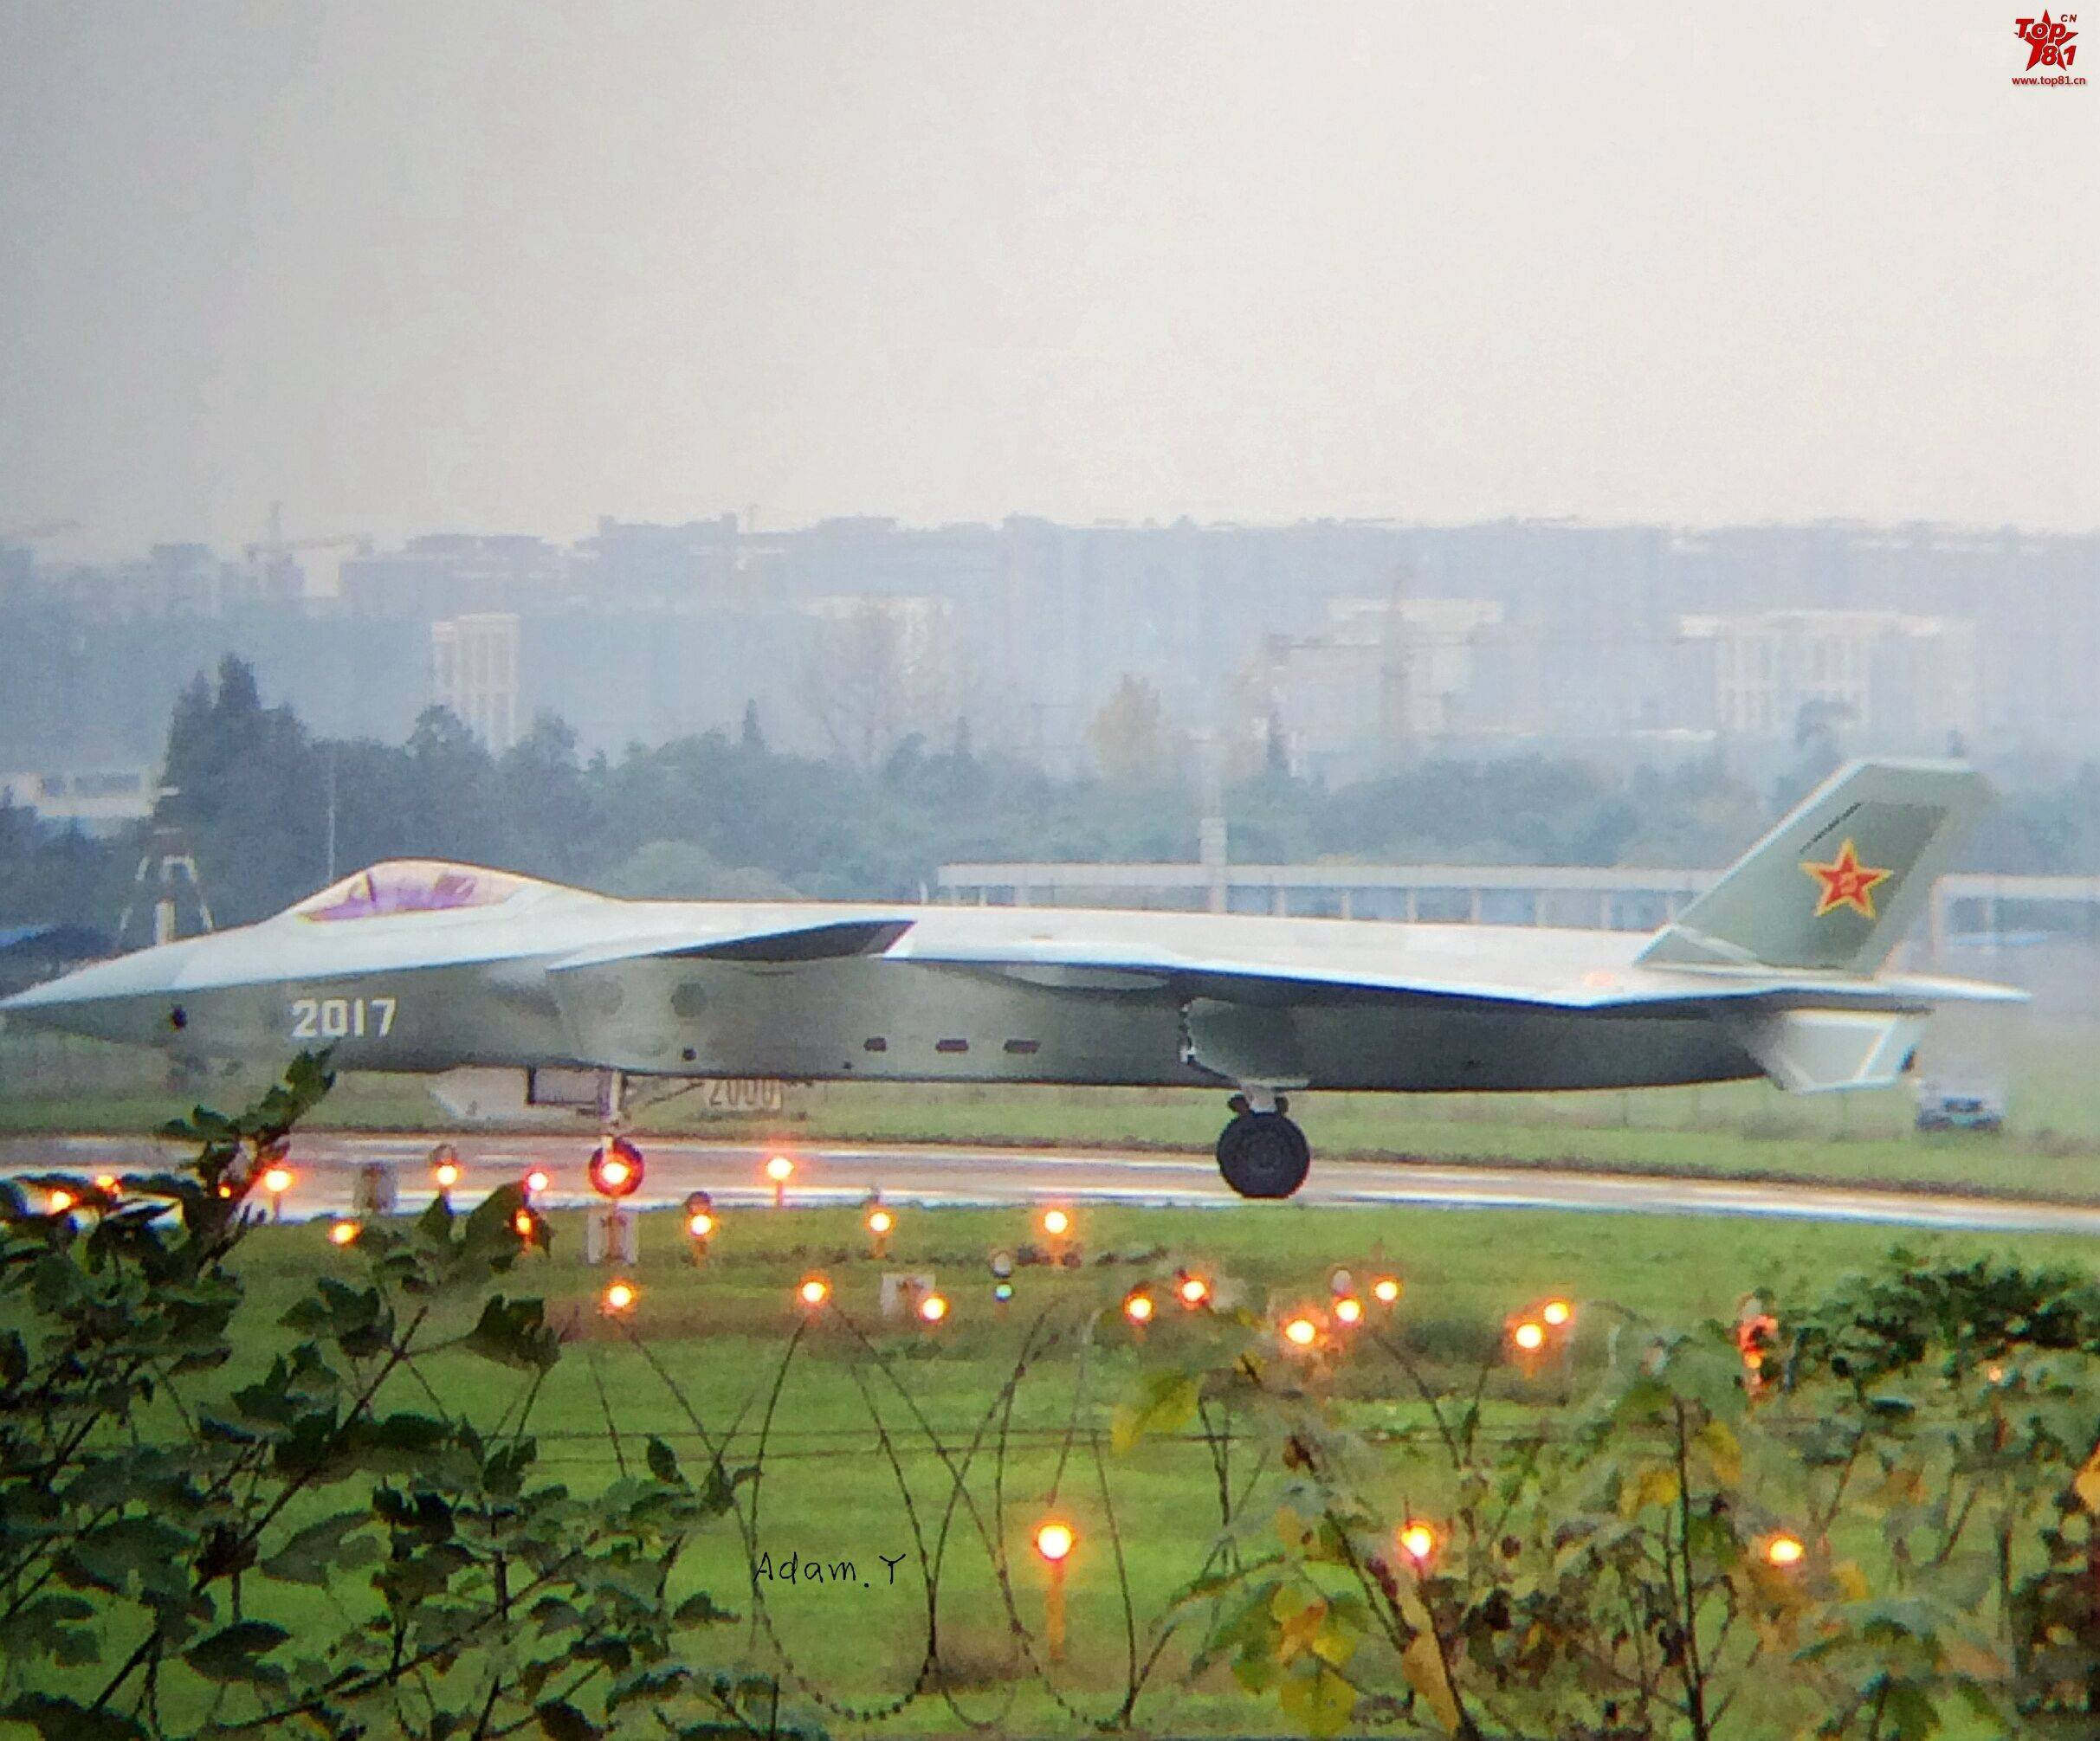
(1262,1154)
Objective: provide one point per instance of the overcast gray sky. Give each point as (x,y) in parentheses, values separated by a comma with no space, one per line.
(506,267)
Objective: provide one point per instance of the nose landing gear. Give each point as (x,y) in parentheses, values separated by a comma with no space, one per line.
(1262,1154)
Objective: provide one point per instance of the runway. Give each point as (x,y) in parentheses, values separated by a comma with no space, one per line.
(973,1175)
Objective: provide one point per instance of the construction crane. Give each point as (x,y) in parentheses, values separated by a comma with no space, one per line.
(275,547)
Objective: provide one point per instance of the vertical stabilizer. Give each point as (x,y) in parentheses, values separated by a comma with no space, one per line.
(1839,880)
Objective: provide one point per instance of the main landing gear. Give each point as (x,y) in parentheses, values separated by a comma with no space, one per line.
(1262,1154)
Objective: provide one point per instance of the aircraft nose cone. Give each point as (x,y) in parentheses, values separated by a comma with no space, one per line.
(124,999)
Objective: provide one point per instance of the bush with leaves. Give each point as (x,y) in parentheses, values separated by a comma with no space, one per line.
(1927,1456)
(158,1521)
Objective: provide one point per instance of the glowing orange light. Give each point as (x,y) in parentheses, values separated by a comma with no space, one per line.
(1385,1289)
(699,1224)
(447,1175)
(344,1232)
(225,1191)
(934,1307)
(881,1221)
(1784,1550)
(1054,1540)
(536,1181)
(1302,1331)
(63,1200)
(1557,1312)
(779,1170)
(1418,1541)
(1057,1224)
(105,1182)
(1349,1309)
(277,1181)
(1194,1290)
(620,1296)
(1530,1336)
(521,1223)
(814,1291)
(613,1170)
(1137,1307)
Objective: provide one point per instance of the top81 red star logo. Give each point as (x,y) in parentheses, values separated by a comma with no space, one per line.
(2048,40)
(1847,883)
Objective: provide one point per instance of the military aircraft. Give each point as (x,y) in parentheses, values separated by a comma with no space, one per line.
(415,965)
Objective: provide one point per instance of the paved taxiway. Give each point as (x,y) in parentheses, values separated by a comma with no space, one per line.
(985,1176)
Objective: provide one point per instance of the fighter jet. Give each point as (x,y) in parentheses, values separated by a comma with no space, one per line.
(415,965)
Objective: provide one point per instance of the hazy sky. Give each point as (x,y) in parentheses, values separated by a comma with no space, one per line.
(441,265)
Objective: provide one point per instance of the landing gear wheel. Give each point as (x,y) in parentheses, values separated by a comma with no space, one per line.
(1264,1155)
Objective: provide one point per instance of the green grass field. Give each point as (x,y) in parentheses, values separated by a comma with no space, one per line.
(721,1334)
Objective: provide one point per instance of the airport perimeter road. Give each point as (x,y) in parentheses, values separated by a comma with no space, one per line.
(842,1173)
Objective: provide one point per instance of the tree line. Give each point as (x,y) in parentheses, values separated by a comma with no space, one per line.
(269,809)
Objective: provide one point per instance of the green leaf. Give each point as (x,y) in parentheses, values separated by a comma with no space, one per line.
(561,1721)
(64,1719)
(235,1653)
(515,1332)
(1320,1703)
(314,1554)
(700,1610)
(1168,1405)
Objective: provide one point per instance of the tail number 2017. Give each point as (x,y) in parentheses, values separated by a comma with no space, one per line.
(342,1018)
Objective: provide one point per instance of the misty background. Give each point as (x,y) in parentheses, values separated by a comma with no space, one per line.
(745,450)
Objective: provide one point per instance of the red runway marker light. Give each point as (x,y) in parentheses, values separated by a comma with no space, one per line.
(814,1291)
(1301,1332)
(1194,1291)
(345,1232)
(934,1307)
(1783,1551)
(880,1222)
(1418,1541)
(522,1223)
(1057,1224)
(1528,1335)
(1386,1291)
(1054,1541)
(1349,1310)
(616,1169)
(447,1175)
(1137,1307)
(1557,1314)
(277,1181)
(536,1181)
(779,1170)
(699,1224)
(105,1182)
(621,1296)
(61,1200)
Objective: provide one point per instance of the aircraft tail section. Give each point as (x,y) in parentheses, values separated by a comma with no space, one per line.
(1834,886)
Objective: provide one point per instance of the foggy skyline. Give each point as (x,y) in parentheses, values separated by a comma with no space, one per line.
(508,268)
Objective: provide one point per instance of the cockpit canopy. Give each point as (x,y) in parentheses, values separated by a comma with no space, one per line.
(411,885)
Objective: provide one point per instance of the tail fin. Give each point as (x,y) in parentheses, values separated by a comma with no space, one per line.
(1836,884)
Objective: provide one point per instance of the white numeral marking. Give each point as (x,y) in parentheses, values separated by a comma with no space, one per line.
(343,1018)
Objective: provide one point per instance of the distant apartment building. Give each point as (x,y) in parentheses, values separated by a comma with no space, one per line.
(1894,681)
(474,671)
(95,800)
(1382,677)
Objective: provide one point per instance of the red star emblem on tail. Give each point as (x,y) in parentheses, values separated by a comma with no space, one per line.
(1847,883)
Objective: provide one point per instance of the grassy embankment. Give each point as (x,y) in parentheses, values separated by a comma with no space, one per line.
(720,1333)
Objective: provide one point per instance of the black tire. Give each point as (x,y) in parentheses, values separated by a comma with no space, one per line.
(1264,1155)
